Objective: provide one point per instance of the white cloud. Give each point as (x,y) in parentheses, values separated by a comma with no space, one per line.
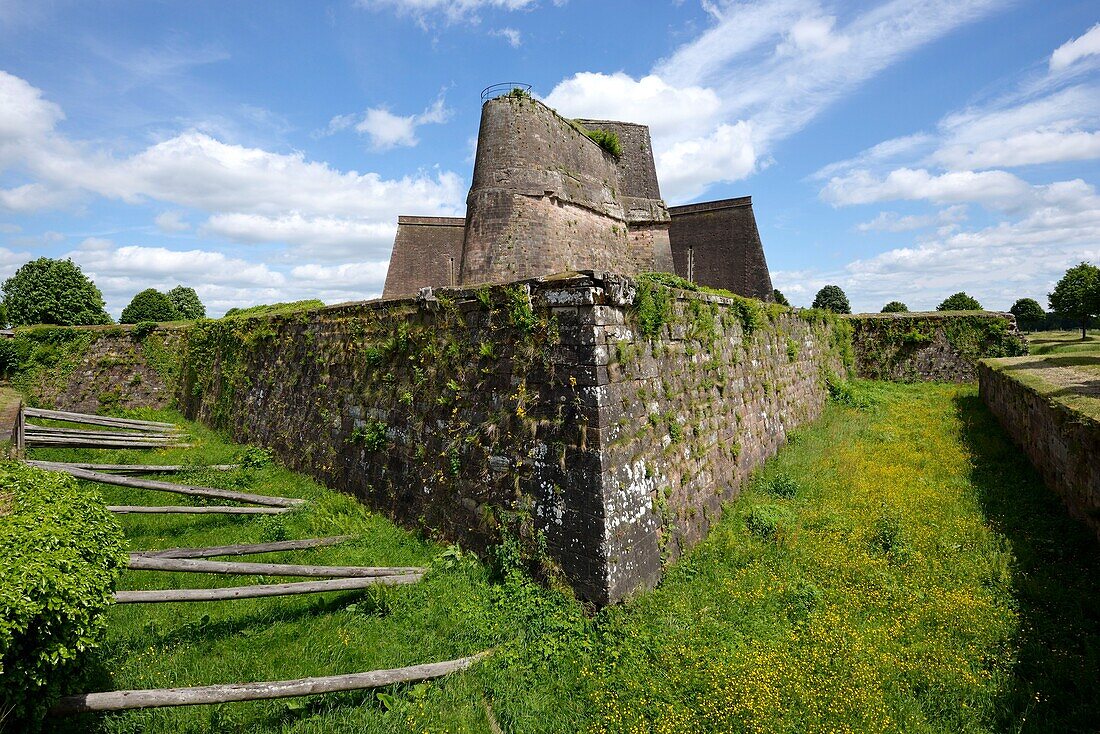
(511,35)
(688,167)
(357,275)
(324,237)
(1072,51)
(387,130)
(893,222)
(758,75)
(33,197)
(993,188)
(24,113)
(171,221)
(452,11)
(101,258)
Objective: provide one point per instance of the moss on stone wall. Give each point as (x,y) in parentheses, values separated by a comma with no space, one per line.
(944,346)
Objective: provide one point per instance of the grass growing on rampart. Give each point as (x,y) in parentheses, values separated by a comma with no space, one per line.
(1063,367)
(898,567)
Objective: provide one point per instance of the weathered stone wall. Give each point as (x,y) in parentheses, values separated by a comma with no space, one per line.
(604,427)
(1063,444)
(98,368)
(427,251)
(717,244)
(545,198)
(931,347)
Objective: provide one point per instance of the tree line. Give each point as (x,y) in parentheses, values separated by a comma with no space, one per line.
(1074,302)
(57,292)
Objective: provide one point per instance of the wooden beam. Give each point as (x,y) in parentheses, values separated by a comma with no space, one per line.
(229,692)
(189,510)
(95,420)
(144,468)
(189,565)
(89,433)
(261,590)
(98,443)
(188,489)
(242,550)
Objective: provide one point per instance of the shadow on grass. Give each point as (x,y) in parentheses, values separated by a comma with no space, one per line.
(1056,585)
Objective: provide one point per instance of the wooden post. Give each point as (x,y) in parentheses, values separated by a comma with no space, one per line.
(188,510)
(21,430)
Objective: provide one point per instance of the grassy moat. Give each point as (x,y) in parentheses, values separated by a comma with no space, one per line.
(898,567)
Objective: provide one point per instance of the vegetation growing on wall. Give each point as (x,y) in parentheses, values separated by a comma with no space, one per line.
(60,554)
(43,355)
(887,344)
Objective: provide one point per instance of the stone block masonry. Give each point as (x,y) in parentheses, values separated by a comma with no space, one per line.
(600,420)
(931,347)
(1061,442)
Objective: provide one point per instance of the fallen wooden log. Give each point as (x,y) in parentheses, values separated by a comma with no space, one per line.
(244,549)
(95,420)
(188,489)
(59,442)
(86,433)
(190,510)
(144,468)
(229,692)
(261,590)
(189,565)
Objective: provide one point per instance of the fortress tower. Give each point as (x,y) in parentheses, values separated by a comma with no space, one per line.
(546,198)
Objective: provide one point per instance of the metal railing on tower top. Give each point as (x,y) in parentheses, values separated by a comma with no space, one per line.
(501,89)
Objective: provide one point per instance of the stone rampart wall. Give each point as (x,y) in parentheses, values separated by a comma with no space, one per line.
(1064,445)
(931,347)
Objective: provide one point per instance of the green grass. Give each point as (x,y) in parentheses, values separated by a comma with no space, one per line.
(898,567)
(1063,367)
(1063,342)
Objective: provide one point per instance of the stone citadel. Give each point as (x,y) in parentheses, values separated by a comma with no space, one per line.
(546,198)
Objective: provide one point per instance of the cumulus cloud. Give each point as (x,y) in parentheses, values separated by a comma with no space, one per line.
(688,167)
(387,130)
(171,221)
(993,188)
(324,237)
(1072,51)
(893,222)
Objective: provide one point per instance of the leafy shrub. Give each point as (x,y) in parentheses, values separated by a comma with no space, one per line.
(609,141)
(149,305)
(886,534)
(60,555)
(895,307)
(256,457)
(778,297)
(767,521)
(47,291)
(959,302)
(143,329)
(187,303)
(781,485)
(832,298)
(372,435)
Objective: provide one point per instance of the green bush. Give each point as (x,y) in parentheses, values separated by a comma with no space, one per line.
(781,485)
(149,305)
(895,307)
(61,552)
(609,141)
(767,521)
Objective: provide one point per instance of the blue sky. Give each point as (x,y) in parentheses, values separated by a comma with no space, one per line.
(261,151)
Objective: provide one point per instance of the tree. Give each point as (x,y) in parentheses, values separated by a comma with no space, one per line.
(780,298)
(149,305)
(48,291)
(1077,295)
(1029,314)
(187,303)
(832,298)
(959,302)
(895,307)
